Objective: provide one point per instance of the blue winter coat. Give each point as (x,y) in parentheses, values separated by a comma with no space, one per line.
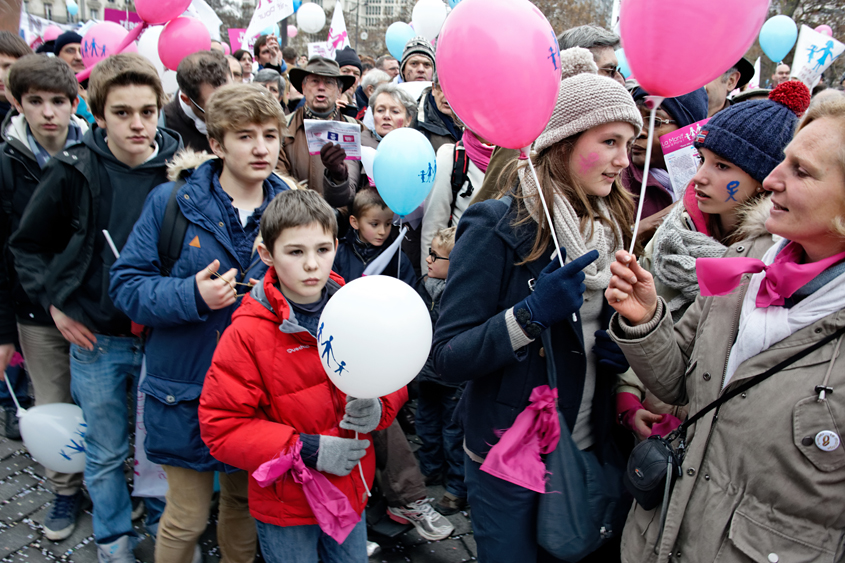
(471,341)
(354,255)
(184,331)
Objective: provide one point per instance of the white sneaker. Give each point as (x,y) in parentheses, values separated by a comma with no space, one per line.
(430,524)
(118,551)
(372,548)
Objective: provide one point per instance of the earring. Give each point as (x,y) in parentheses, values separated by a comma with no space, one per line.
(759,189)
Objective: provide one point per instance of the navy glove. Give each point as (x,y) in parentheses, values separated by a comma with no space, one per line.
(609,354)
(558,292)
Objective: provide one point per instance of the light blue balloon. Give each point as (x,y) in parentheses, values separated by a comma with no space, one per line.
(624,69)
(404,169)
(72,8)
(453,3)
(397,35)
(296,5)
(272,30)
(778,36)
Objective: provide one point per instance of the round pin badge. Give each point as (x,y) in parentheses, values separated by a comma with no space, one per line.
(827,441)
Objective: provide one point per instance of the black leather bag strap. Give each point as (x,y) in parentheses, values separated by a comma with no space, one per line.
(681,430)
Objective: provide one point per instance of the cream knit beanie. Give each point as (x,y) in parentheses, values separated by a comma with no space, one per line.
(586,100)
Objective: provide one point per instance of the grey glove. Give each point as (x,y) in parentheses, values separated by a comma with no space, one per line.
(362,415)
(339,456)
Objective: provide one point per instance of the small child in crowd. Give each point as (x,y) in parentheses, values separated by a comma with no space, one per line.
(370,222)
(442,452)
(267,395)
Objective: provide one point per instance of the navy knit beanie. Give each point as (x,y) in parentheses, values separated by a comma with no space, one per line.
(66,38)
(348,57)
(753,134)
(685,110)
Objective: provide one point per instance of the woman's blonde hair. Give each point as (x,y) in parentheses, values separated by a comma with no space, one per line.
(833,108)
(553,171)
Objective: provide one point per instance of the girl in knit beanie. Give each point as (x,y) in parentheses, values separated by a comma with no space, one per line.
(509,308)
(724,203)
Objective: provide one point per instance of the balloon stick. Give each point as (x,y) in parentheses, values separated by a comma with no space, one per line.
(653,102)
(545,207)
(20,411)
(361,469)
(398,266)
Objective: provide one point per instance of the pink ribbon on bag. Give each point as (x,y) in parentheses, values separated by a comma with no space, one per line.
(536,430)
(784,276)
(334,514)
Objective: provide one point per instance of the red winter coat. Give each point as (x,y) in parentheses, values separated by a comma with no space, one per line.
(266,384)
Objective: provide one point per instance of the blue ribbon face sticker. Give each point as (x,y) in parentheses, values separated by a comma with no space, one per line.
(733,187)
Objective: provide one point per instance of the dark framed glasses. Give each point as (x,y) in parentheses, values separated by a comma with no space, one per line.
(435,257)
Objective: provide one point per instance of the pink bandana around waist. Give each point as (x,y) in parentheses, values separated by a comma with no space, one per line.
(536,430)
(783,277)
(330,506)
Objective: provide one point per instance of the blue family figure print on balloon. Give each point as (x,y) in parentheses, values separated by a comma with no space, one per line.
(92,49)
(76,446)
(733,187)
(341,367)
(328,353)
(554,51)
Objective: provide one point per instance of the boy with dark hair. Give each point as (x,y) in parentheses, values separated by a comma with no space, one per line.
(44,93)
(12,47)
(222,201)
(63,258)
(267,396)
(371,222)
(198,75)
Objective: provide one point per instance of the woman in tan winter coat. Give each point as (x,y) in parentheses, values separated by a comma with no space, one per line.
(765,481)
(724,203)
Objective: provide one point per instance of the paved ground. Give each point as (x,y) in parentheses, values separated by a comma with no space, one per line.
(24,502)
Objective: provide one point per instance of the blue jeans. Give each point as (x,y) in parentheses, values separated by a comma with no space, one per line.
(303,544)
(442,438)
(99,386)
(16,377)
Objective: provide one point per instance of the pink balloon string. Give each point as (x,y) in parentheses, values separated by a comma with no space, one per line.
(130,37)
(652,102)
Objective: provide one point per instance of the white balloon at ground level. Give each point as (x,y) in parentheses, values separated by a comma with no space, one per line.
(428,17)
(54,434)
(374,336)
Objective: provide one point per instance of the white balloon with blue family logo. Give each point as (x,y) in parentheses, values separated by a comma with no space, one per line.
(54,434)
(404,169)
(374,336)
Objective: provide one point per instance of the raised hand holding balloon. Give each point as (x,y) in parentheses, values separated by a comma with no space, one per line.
(659,56)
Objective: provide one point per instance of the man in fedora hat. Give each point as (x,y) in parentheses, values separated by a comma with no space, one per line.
(718,89)
(328,173)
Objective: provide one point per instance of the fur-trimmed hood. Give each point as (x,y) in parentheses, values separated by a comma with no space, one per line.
(752,217)
(184,160)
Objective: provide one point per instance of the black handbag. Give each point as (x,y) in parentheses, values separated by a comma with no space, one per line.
(655,463)
(583,506)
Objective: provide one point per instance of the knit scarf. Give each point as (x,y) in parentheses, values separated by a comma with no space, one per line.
(328,116)
(478,152)
(434,287)
(675,249)
(607,240)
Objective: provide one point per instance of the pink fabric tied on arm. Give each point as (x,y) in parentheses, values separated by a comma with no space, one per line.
(536,430)
(784,276)
(331,508)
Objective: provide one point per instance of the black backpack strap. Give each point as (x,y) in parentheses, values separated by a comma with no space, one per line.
(172,234)
(459,177)
(8,187)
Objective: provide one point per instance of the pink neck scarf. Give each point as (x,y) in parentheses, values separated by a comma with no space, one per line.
(783,277)
(536,430)
(478,152)
(330,506)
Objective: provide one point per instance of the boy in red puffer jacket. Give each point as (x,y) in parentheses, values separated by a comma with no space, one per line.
(266,390)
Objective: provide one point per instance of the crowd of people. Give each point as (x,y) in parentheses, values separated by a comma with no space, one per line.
(186,246)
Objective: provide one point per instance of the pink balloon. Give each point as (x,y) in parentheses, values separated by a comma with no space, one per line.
(51,32)
(667,59)
(478,40)
(825,29)
(156,12)
(226,49)
(180,38)
(102,40)
(292,31)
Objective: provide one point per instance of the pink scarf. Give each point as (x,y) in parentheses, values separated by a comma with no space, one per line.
(784,276)
(536,430)
(331,508)
(478,152)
